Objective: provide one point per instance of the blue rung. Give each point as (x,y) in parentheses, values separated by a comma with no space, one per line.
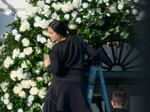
(91,76)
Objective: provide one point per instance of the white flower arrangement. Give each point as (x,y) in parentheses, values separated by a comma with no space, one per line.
(24,80)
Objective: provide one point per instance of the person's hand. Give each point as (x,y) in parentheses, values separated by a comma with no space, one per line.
(47,60)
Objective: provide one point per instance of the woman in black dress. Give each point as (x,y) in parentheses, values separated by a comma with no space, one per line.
(66,62)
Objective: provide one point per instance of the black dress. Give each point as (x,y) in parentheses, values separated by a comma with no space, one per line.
(67,91)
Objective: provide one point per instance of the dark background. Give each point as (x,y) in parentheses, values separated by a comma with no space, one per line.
(144,80)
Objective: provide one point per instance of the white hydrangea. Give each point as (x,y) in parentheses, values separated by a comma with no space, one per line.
(42,93)
(17,37)
(120,5)
(41,39)
(67,16)
(113,8)
(16,53)
(41,23)
(105,1)
(22,55)
(49,44)
(4,85)
(78,20)
(25,84)
(34,91)
(30,98)
(25,42)
(24,64)
(31,10)
(76,3)
(25,26)
(14,32)
(74,14)
(46,11)
(72,26)
(85,5)
(67,7)
(17,89)
(6,95)
(8,62)
(28,50)
(9,106)
(32,83)
(38,50)
(56,6)
(20,110)
(54,15)
(22,94)
(13,75)
(6,101)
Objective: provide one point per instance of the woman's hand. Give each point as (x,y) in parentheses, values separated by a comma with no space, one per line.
(47,60)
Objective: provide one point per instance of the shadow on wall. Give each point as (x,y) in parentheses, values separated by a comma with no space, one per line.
(6,17)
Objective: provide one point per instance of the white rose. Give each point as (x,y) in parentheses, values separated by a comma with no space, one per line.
(16,53)
(54,15)
(9,106)
(39,78)
(6,95)
(67,7)
(24,64)
(42,93)
(4,86)
(37,18)
(29,104)
(89,0)
(25,25)
(17,89)
(2,99)
(56,6)
(25,84)
(22,55)
(72,26)
(105,1)
(41,39)
(113,8)
(78,20)
(22,94)
(37,71)
(67,16)
(28,50)
(48,1)
(43,23)
(6,101)
(74,13)
(25,42)
(14,32)
(8,62)
(20,110)
(30,98)
(49,44)
(85,5)
(34,91)
(120,6)
(17,37)
(76,3)
(32,83)
(20,73)
(13,75)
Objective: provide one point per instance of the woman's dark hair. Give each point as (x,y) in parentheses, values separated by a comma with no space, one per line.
(59,27)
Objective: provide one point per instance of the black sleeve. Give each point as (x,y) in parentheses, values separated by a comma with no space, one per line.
(93,55)
(54,66)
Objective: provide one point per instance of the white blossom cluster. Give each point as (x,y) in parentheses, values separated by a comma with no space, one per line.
(26,80)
